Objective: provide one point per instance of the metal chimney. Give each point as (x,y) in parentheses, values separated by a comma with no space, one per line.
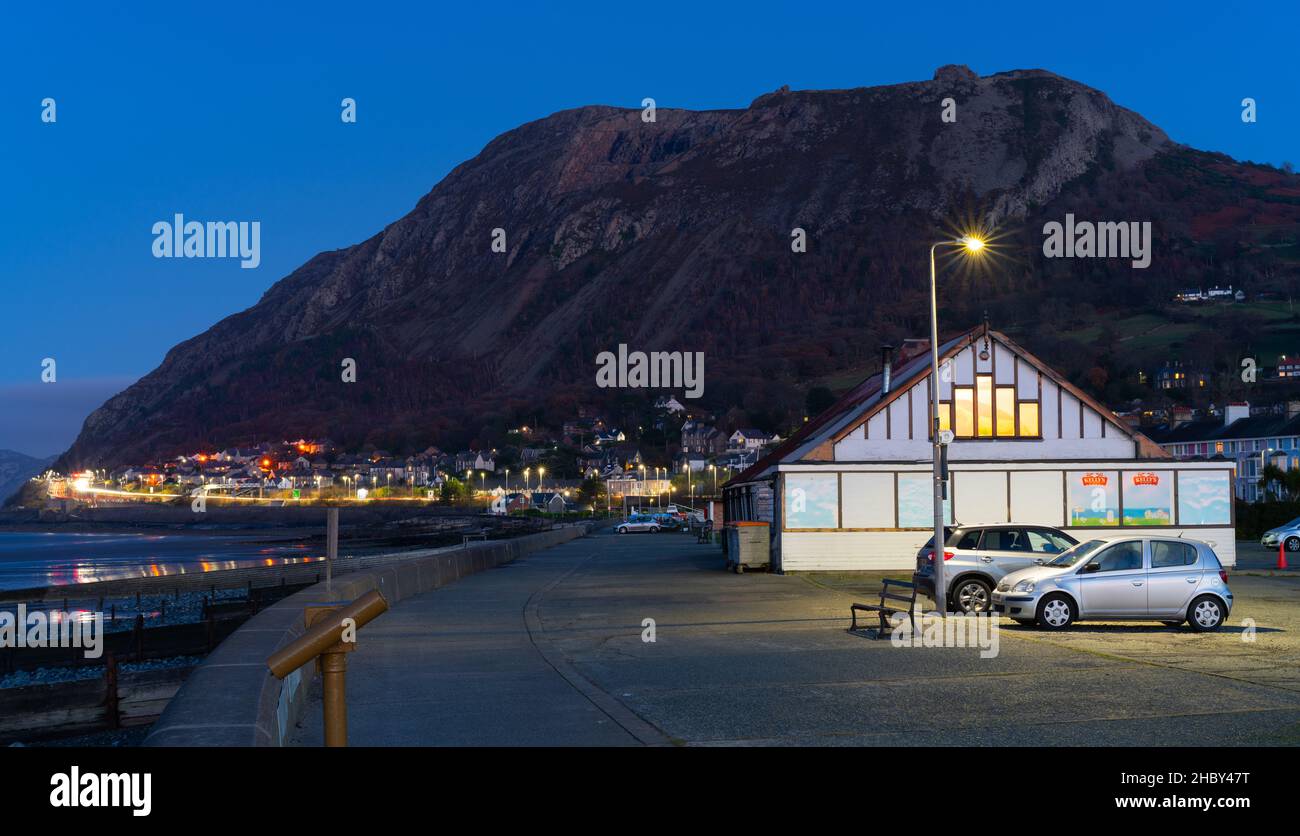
(886,367)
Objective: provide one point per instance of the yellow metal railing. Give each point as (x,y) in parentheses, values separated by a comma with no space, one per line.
(331,634)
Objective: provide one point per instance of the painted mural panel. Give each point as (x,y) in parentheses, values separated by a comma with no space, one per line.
(1148,497)
(916,501)
(812,500)
(1092,497)
(1204,497)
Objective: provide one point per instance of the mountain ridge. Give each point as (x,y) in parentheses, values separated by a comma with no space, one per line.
(670,234)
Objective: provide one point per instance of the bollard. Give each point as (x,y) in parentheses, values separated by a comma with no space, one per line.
(331,548)
(323,640)
(1281,555)
(110,696)
(139,637)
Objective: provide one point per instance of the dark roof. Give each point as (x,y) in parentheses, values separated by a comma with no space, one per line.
(1213,429)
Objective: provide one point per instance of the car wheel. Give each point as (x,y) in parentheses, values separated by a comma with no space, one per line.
(1293,544)
(622,530)
(1205,614)
(971,595)
(1056,612)
(654,529)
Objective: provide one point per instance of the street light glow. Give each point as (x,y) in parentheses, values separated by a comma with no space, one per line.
(972,244)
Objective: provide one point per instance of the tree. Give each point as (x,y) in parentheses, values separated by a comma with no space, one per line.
(592,492)
(454,490)
(1283,484)
(818,400)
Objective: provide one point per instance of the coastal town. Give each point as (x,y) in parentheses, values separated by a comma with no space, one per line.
(587,466)
(674,452)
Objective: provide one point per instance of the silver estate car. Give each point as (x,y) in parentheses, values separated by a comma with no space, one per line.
(976,557)
(1168,579)
(639,523)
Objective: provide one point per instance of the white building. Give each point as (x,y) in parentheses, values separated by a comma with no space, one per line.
(853,488)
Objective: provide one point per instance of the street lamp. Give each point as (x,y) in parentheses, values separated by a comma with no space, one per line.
(971,245)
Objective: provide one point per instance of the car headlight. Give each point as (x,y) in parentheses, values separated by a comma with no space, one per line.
(1025,586)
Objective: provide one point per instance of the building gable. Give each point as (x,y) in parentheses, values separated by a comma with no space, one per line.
(1000,401)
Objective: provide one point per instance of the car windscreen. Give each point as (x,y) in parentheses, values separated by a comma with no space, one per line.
(1076,554)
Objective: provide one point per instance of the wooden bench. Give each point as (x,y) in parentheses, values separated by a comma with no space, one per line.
(905,604)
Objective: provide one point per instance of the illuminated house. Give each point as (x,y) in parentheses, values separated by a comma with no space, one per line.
(852,489)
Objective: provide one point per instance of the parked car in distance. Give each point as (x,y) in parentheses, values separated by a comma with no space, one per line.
(976,557)
(1167,579)
(638,523)
(1288,532)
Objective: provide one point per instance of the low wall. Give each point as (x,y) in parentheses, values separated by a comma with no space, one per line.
(233,700)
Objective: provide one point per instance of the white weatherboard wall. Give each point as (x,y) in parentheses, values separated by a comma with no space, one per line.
(836,551)
(1030,493)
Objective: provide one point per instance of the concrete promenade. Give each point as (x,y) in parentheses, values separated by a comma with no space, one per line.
(549,650)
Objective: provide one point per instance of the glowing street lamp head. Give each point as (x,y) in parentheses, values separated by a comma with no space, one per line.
(972,244)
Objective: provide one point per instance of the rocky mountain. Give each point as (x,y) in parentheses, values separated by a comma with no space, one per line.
(675,234)
(15,469)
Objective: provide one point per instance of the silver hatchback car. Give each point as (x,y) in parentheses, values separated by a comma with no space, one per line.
(1168,579)
(1289,532)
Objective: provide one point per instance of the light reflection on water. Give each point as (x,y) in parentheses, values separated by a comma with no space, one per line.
(56,559)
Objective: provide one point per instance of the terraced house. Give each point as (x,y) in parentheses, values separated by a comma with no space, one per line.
(853,488)
(1249,442)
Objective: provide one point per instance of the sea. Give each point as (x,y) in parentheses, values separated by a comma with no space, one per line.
(33,559)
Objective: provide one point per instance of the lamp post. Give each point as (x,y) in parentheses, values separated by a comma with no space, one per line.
(971,245)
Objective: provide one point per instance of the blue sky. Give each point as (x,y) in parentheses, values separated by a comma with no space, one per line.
(231,111)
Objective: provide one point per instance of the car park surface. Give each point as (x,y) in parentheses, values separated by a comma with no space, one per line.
(765,659)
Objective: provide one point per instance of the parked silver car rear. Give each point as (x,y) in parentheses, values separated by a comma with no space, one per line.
(976,557)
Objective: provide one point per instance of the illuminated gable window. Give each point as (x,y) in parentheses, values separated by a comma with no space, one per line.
(986,410)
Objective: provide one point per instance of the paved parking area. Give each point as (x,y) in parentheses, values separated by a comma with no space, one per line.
(551,650)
